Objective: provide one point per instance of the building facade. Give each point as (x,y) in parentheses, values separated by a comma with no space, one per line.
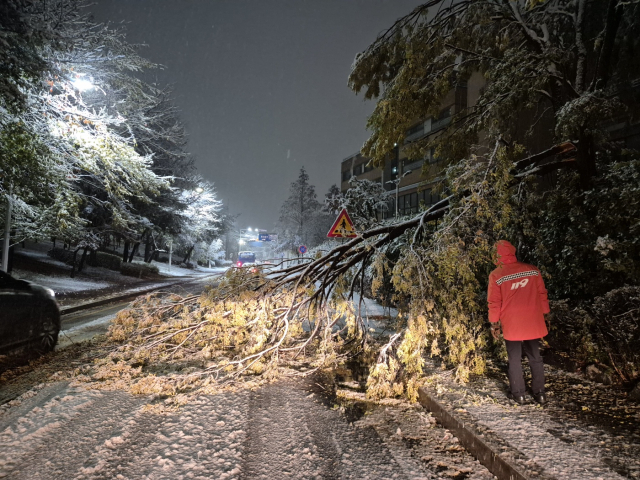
(414,182)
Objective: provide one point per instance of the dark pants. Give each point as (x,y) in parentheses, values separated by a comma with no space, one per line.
(532,351)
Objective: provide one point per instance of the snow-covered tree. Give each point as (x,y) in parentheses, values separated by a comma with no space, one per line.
(44,200)
(301,219)
(22,36)
(365,201)
(202,221)
(106,140)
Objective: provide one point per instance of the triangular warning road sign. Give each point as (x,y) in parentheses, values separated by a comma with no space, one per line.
(343,226)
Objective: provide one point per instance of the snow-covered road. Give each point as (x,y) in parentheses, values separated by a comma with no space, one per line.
(282,430)
(279,431)
(287,429)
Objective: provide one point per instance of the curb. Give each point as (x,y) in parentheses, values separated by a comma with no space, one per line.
(115,298)
(487,456)
(123,296)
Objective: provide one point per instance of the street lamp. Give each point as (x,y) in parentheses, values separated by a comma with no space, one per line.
(82,84)
(397,184)
(7,233)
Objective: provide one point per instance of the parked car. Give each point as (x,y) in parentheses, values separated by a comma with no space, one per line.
(29,315)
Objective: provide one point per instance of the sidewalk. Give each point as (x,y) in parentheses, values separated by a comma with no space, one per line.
(586,431)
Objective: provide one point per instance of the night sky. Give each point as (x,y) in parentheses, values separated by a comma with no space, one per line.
(261,86)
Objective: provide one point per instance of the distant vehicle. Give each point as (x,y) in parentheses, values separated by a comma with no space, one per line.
(29,315)
(246,257)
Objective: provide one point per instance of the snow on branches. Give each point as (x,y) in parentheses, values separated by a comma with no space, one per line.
(88,145)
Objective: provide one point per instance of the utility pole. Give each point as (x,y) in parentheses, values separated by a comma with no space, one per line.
(7,232)
(397,184)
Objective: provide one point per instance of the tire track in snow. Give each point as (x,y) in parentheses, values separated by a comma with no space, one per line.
(292,435)
(277,431)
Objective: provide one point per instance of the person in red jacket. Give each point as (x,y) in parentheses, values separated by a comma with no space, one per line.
(518,302)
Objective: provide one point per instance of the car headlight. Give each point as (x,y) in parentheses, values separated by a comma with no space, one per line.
(51,293)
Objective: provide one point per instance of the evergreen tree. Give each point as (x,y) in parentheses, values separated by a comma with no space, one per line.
(299,214)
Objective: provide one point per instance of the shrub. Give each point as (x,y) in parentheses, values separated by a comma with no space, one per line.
(605,330)
(108,260)
(586,242)
(139,269)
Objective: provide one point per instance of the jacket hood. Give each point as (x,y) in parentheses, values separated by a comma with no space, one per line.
(506,253)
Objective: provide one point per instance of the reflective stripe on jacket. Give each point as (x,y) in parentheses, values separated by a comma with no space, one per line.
(517,297)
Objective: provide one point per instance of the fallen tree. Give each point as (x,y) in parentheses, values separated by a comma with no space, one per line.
(250,326)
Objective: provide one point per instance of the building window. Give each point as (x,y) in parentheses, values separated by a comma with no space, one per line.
(416,128)
(368,167)
(432,156)
(413,165)
(357,170)
(443,119)
(346,175)
(425,197)
(414,202)
(415,132)
(408,203)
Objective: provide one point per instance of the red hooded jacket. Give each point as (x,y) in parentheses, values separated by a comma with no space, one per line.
(517,296)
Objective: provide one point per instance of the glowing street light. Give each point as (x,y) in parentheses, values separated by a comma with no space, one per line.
(199,190)
(82,84)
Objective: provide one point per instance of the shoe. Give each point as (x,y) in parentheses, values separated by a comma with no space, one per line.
(541,398)
(519,399)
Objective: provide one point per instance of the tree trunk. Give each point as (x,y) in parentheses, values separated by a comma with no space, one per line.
(147,249)
(93,258)
(134,251)
(125,253)
(152,254)
(73,263)
(614,15)
(188,255)
(82,259)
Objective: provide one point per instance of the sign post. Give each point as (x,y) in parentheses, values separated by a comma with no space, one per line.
(342,227)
